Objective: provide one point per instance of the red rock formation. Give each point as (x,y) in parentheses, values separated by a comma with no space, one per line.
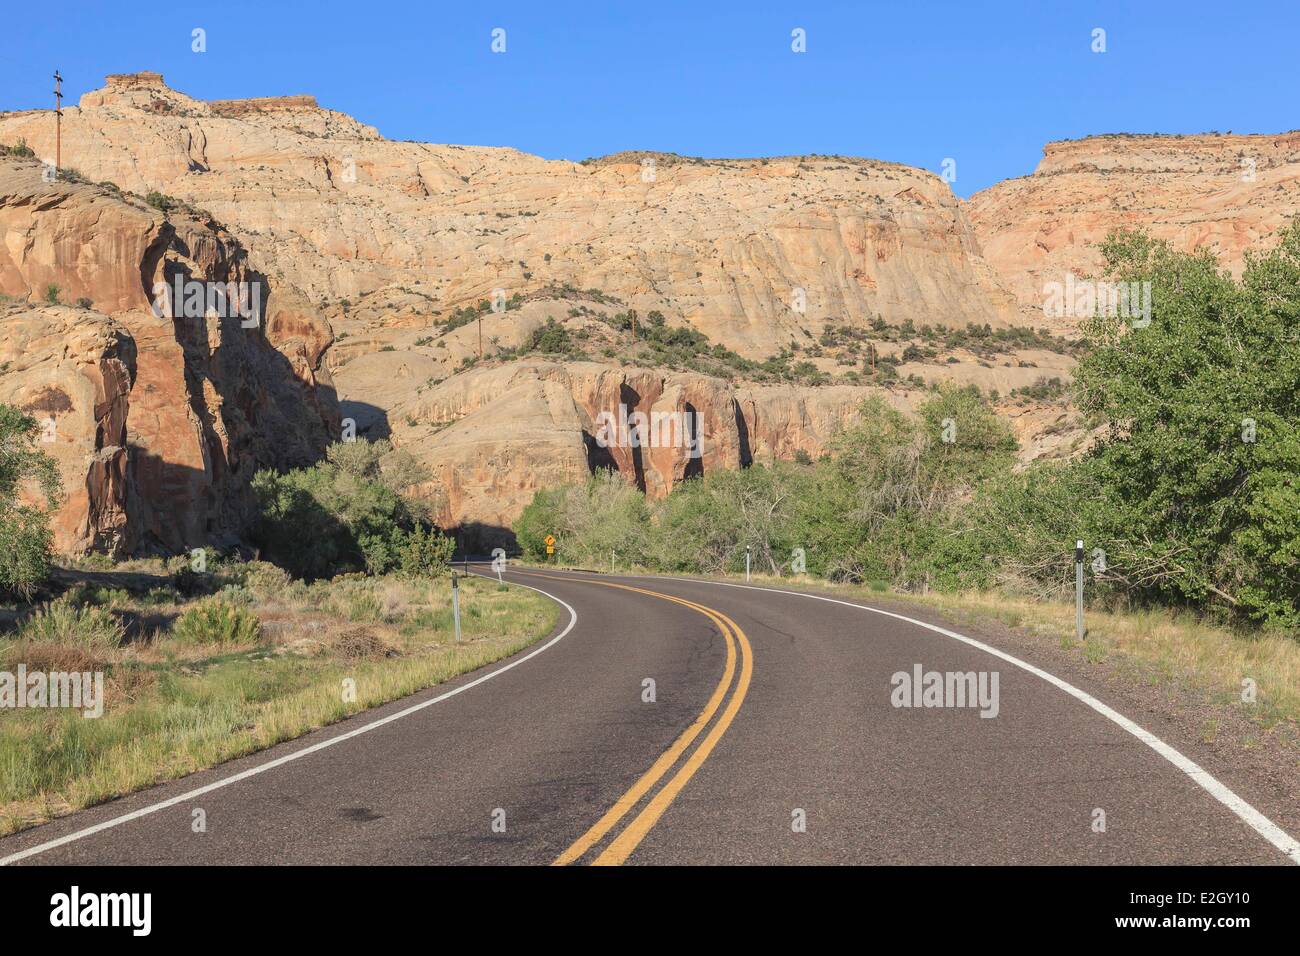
(164,420)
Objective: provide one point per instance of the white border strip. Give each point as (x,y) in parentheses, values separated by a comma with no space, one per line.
(306,751)
(1261,824)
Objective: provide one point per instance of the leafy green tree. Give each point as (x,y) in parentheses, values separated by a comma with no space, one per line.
(706,524)
(603,514)
(25,538)
(1198,470)
(347,513)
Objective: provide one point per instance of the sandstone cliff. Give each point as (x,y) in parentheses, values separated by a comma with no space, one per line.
(157,423)
(750,252)
(1228,193)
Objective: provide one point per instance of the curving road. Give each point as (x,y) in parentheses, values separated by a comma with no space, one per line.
(772,737)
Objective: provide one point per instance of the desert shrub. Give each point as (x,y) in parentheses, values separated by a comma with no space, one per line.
(18,149)
(425,552)
(161,201)
(265,580)
(550,338)
(217,622)
(62,621)
(236,594)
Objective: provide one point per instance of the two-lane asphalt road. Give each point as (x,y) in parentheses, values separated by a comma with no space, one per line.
(676,721)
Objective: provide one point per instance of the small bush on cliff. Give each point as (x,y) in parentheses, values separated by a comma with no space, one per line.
(19,149)
(161,201)
(348,513)
(25,538)
(551,338)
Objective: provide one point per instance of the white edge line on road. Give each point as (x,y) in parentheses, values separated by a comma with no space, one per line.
(1261,824)
(305,751)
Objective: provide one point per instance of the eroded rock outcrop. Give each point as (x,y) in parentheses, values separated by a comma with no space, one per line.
(158,422)
(806,261)
(72,370)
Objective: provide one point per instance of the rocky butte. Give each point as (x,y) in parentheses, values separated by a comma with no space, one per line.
(484,308)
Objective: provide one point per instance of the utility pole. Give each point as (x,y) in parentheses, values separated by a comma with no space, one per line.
(480,337)
(58,122)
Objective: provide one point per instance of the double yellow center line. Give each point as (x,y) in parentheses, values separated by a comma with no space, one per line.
(627,840)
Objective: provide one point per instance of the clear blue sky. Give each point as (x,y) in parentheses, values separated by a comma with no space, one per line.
(986,84)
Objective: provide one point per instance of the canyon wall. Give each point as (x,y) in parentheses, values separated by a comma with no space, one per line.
(157,423)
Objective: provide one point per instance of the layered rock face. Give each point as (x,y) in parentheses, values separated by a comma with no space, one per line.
(750,252)
(495,435)
(1227,193)
(157,423)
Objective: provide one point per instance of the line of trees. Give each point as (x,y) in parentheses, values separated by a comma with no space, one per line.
(1189,496)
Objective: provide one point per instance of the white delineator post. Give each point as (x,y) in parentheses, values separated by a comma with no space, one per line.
(455,603)
(747,550)
(1078,588)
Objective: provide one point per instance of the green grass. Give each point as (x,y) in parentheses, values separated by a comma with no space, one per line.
(227,687)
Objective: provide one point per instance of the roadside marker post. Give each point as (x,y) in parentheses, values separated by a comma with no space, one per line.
(611,561)
(747,550)
(455,603)
(1078,588)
